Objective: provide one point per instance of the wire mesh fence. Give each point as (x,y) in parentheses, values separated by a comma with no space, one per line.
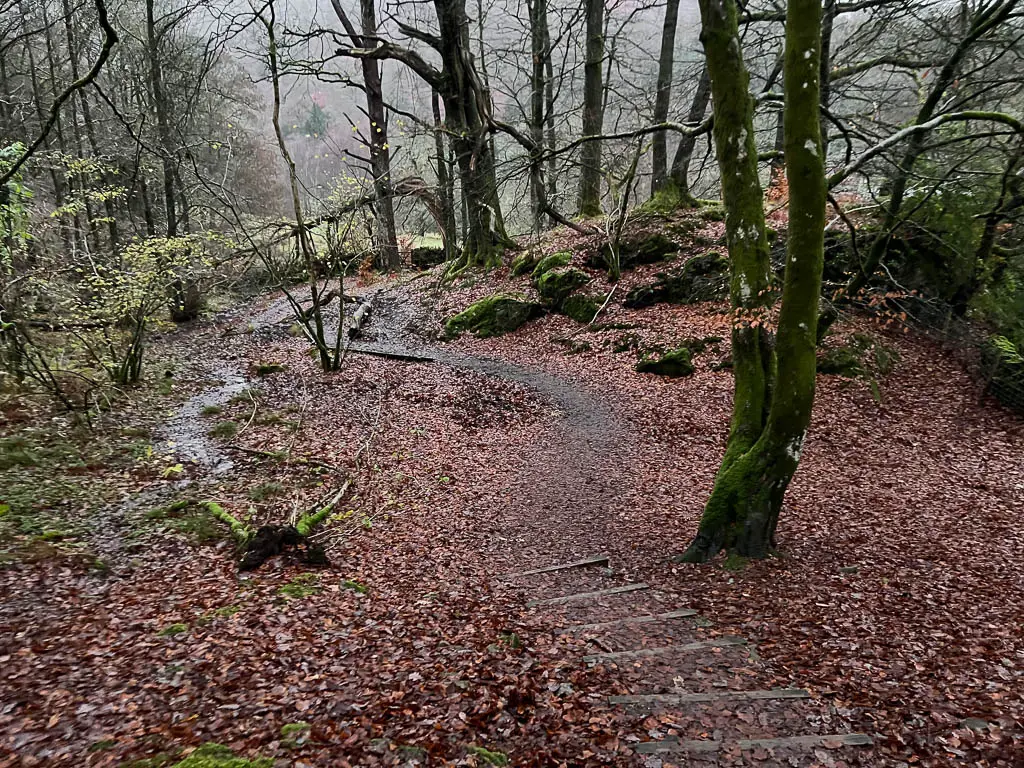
(998,371)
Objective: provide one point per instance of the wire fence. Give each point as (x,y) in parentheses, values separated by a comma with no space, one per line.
(997,373)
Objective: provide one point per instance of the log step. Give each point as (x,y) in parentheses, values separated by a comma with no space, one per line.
(642,653)
(682,613)
(585,562)
(587,595)
(694,698)
(706,745)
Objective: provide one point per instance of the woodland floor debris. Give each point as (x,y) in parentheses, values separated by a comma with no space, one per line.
(897,598)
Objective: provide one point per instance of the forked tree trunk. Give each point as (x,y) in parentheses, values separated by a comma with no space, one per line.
(743,509)
(679,176)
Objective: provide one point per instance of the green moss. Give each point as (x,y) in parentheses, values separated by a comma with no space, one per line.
(735,562)
(675,363)
(487,756)
(355,586)
(510,640)
(225,430)
(226,611)
(211,410)
(16,452)
(712,210)
(303,585)
(841,361)
(219,756)
(555,286)
(102,745)
(669,199)
(173,629)
(493,316)
(523,263)
(266,369)
(294,735)
(554,261)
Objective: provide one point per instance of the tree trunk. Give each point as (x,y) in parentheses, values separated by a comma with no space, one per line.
(659,148)
(444,187)
(162,110)
(743,510)
(539,43)
(593,112)
(467,112)
(380,153)
(679,176)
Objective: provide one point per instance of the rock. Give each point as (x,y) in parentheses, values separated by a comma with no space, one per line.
(555,286)
(841,361)
(493,316)
(581,307)
(975,724)
(701,278)
(674,364)
(632,252)
(523,263)
(426,257)
(554,261)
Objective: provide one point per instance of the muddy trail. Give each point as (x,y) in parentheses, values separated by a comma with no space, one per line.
(557,503)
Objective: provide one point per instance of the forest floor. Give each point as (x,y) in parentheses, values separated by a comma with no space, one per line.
(127,635)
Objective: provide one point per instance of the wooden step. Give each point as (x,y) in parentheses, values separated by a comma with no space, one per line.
(673,744)
(682,613)
(584,563)
(641,653)
(696,698)
(587,595)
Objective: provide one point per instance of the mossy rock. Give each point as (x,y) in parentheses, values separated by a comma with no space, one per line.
(426,257)
(581,307)
(701,278)
(523,263)
(674,364)
(635,251)
(554,261)
(493,316)
(555,286)
(841,361)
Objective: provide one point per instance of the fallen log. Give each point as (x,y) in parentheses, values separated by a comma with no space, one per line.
(407,357)
(359,318)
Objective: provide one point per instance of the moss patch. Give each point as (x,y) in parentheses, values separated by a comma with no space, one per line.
(173,629)
(582,308)
(303,585)
(674,364)
(219,756)
(523,263)
(555,286)
(487,756)
(266,369)
(294,735)
(554,261)
(225,430)
(493,316)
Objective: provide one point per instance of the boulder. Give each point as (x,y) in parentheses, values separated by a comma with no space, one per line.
(555,286)
(675,363)
(701,278)
(548,263)
(493,316)
(581,307)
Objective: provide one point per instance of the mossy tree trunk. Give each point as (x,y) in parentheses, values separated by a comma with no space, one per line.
(736,153)
(743,510)
(659,142)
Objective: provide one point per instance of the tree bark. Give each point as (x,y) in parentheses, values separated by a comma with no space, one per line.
(659,147)
(444,187)
(742,511)
(162,110)
(593,111)
(680,174)
(539,45)
(380,153)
